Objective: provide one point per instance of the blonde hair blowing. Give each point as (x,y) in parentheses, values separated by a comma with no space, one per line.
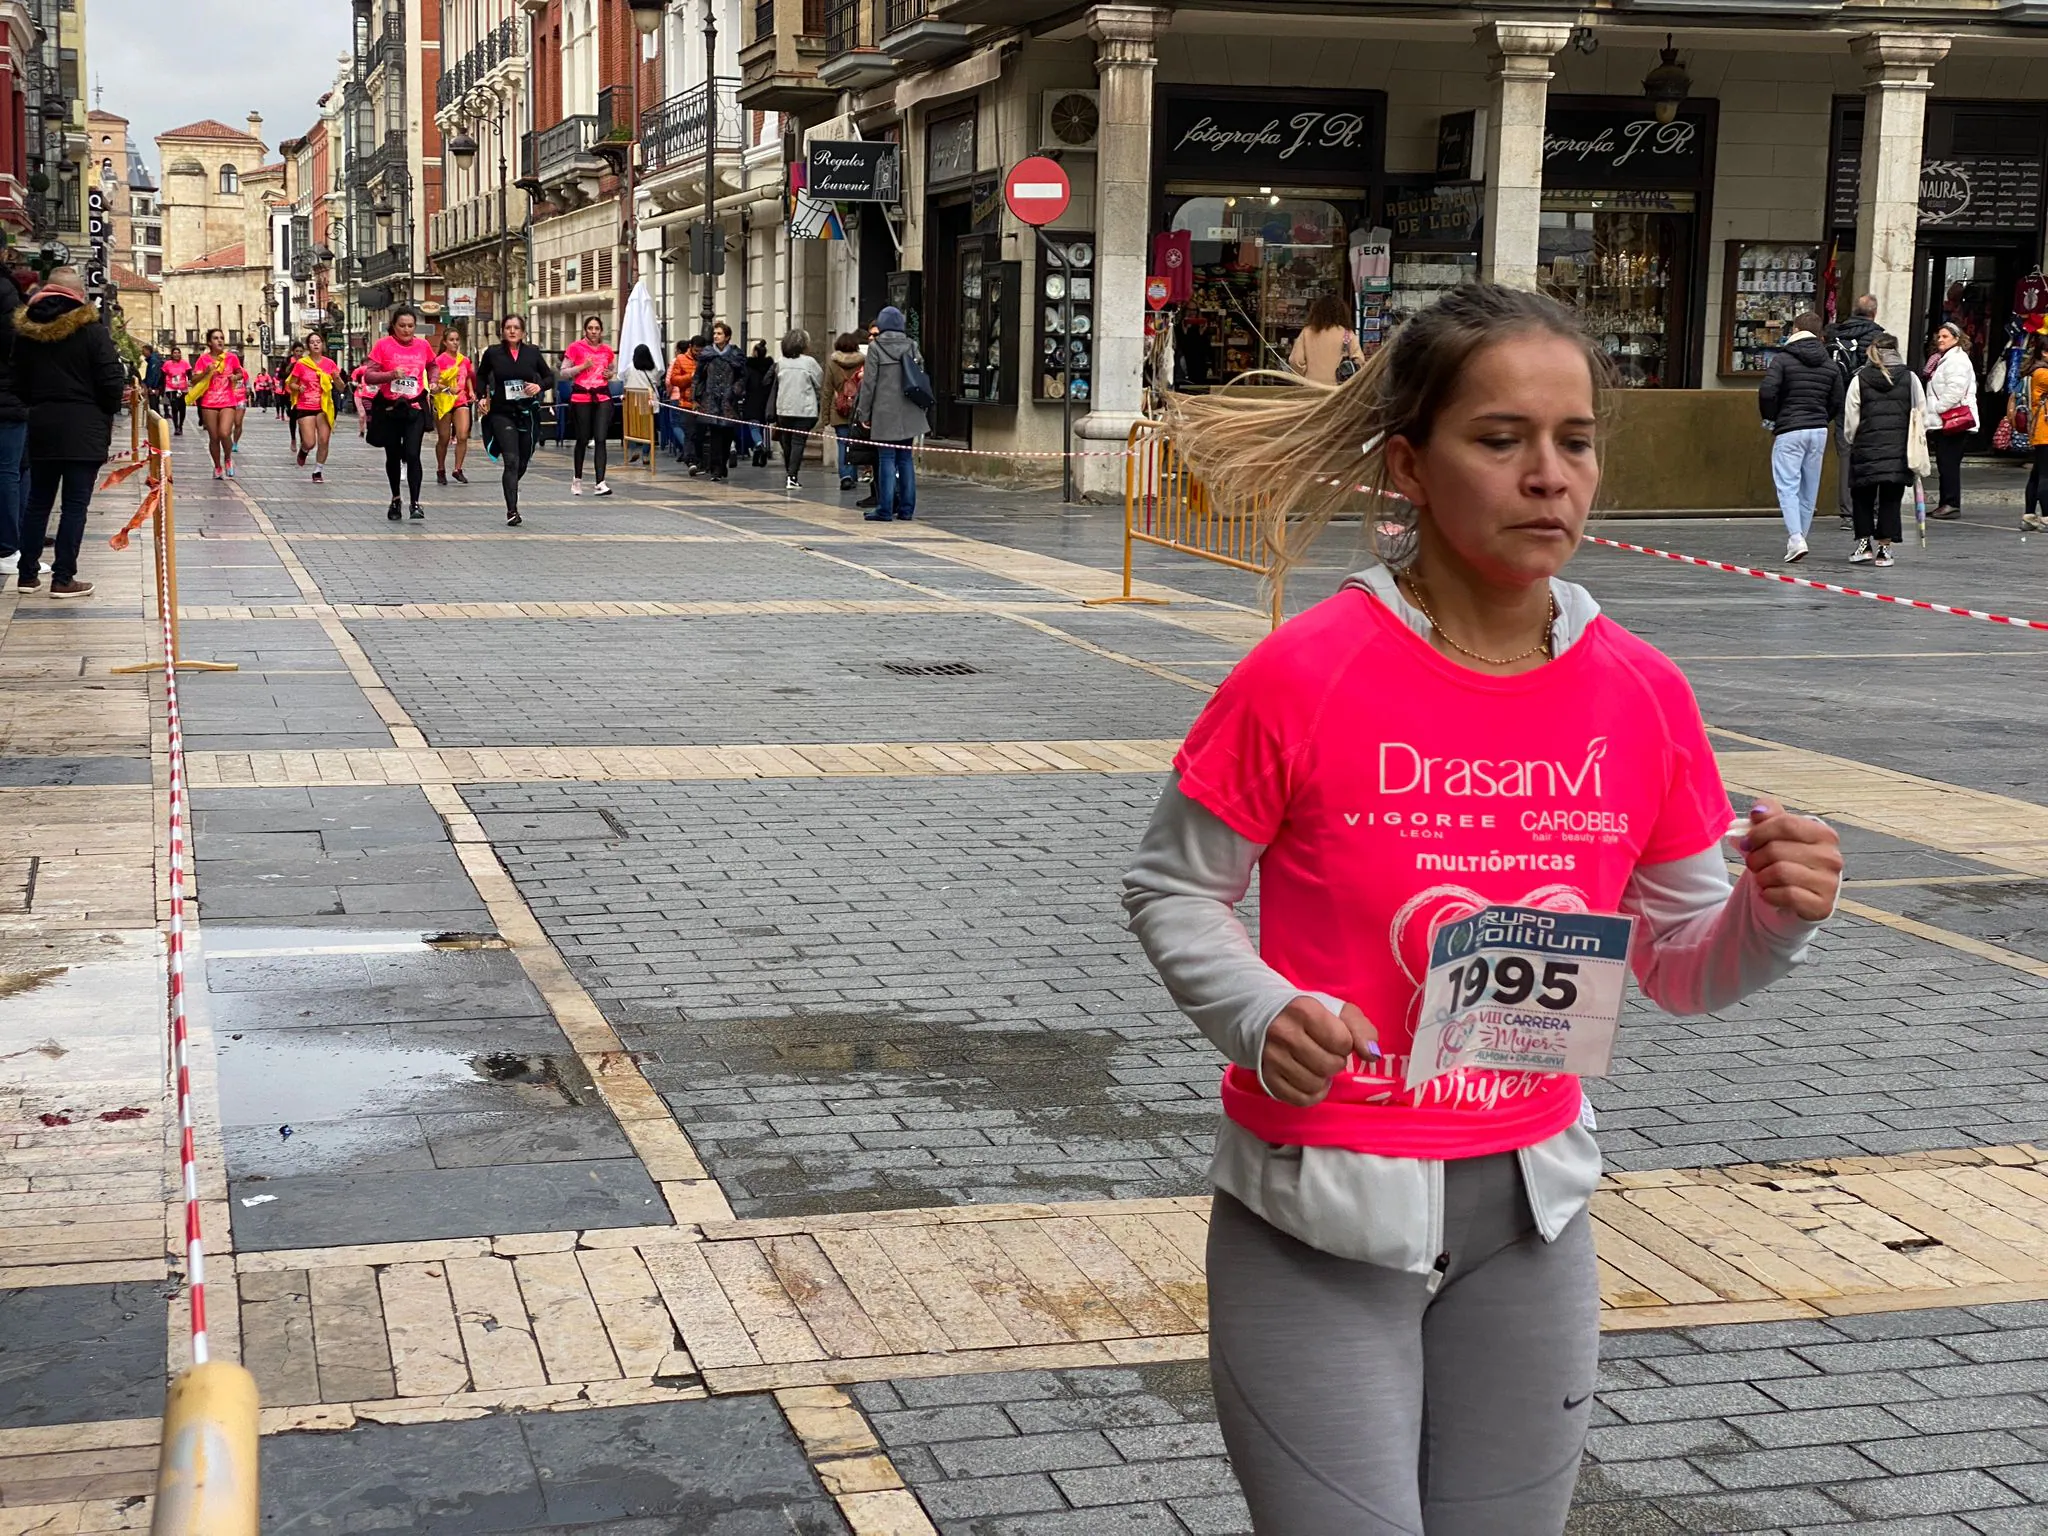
(1299,456)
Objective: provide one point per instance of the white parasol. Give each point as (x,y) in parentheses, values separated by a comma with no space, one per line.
(640,328)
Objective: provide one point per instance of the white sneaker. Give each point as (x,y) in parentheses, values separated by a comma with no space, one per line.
(1795,550)
(9,564)
(792,483)
(1884,555)
(576,487)
(2033,521)
(603,489)
(1863,553)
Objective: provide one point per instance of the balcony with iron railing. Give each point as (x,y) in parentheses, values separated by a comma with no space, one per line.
(501,46)
(394,260)
(779,65)
(853,58)
(911,34)
(565,146)
(672,132)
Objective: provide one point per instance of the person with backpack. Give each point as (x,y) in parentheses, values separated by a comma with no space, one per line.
(1849,340)
(1801,393)
(753,437)
(842,391)
(721,388)
(895,394)
(1883,417)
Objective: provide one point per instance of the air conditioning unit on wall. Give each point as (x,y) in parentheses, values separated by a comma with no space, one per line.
(1069,120)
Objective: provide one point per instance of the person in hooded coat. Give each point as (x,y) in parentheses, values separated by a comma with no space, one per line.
(1883,419)
(1801,393)
(69,374)
(721,389)
(893,422)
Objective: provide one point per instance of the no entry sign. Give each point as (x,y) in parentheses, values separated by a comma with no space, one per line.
(1037,190)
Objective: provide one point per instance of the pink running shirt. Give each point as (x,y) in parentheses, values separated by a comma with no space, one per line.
(177,374)
(1394,790)
(305,381)
(591,367)
(223,389)
(413,359)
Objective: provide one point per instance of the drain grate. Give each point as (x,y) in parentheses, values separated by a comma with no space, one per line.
(932,668)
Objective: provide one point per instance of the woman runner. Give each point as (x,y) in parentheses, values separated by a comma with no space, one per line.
(310,386)
(218,378)
(588,362)
(512,378)
(177,375)
(454,397)
(402,367)
(1403,1306)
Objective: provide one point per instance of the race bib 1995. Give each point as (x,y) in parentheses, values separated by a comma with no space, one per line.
(1522,989)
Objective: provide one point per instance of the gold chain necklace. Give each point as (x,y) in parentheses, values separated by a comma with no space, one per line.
(1540,648)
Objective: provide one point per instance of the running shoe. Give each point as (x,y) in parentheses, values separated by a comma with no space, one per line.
(576,487)
(511,519)
(1795,550)
(231,469)
(440,477)
(792,482)
(318,478)
(1863,554)
(1884,555)
(392,512)
(302,458)
(603,489)
(459,477)
(418,512)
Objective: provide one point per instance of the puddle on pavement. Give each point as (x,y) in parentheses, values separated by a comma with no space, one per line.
(310,1076)
(238,943)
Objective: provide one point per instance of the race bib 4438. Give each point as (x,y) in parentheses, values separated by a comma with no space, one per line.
(1522,989)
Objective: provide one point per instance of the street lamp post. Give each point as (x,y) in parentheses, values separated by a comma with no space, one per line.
(710,161)
(647,17)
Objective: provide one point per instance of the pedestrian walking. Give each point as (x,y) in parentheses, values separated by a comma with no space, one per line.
(1403,1302)
(1801,394)
(588,366)
(454,403)
(311,387)
(721,397)
(894,397)
(842,393)
(1849,339)
(401,370)
(678,422)
(646,377)
(2034,514)
(799,385)
(69,374)
(1885,420)
(1952,412)
(1327,350)
(153,378)
(13,435)
(513,378)
(752,439)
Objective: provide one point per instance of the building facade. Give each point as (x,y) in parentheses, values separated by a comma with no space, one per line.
(220,189)
(478,241)
(394,166)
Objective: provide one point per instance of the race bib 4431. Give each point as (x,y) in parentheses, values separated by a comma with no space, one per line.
(1522,989)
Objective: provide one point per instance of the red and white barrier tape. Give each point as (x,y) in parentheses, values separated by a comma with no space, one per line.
(1821,586)
(181,1044)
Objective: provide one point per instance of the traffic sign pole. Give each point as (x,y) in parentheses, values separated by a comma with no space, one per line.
(1037,191)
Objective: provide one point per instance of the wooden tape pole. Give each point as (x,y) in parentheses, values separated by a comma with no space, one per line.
(206,1472)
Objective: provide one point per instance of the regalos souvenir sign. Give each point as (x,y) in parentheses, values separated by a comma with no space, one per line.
(1522,989)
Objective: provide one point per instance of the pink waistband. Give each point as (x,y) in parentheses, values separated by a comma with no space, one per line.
(1357,1117)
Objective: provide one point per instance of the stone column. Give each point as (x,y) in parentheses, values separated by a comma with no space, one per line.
(1520,54)
(1888,197)
(1124,61)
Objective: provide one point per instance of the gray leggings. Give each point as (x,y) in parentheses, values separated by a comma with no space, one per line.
(1356,1403)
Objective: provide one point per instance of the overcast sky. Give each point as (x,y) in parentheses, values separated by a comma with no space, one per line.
(165,63)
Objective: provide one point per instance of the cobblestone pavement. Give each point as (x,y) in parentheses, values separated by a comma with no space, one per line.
(673,1063)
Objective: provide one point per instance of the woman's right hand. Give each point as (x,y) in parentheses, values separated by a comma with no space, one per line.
(1307,1045)
(532,390)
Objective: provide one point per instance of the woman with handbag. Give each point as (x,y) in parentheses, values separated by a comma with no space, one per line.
(402,367)
(1884,423)
(1327,350)
(1952,407)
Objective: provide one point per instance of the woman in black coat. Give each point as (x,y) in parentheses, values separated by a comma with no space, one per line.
(70,377)
(1883,420)
(760,369)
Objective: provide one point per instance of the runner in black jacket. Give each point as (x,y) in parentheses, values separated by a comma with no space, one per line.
(512,378)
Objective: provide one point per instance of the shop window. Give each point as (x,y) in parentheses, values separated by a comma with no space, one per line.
(1624,272)
(1261,258)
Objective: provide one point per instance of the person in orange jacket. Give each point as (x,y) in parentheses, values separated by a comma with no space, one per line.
(682,375)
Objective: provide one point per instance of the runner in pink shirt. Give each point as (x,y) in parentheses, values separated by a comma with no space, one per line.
(224,379)
(454,403)
(402,367)
(588,366)
(310,388)
(1455,756)
(177,378)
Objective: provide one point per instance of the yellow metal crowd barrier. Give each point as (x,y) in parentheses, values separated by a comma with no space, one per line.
(1165,505)
(637,431)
